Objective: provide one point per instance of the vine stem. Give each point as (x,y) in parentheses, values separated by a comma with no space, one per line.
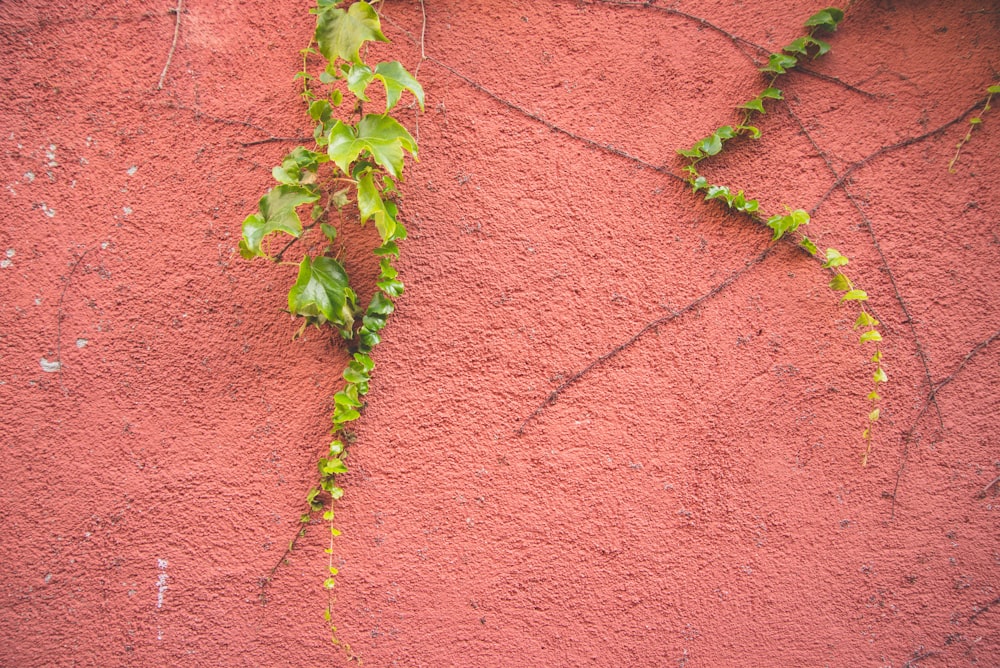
(173,45)
(968,135)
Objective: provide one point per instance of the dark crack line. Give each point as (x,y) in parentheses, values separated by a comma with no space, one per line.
(921,355)
(931,396)
(650,326)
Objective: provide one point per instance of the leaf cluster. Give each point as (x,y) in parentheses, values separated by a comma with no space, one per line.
(353,170)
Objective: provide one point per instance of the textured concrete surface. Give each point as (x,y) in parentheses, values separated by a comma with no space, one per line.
(696,500)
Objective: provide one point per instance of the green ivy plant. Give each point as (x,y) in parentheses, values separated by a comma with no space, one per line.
(353,169)
(973,122)
(791,221)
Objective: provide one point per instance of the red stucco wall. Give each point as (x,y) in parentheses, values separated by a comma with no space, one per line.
(696,500)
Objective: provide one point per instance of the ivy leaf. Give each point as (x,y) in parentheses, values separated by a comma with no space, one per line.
(865,320)
(322,292)
(779,63)
(874,415)
(827,18)
(756,104)
(386,138)
(358,78)
(343,146)
(855,296)
(276,214)
(692,153)
(380,305)
(798,46)
(834,259)
(340,33)
(808,245)
(371,206)
(396,79)
(993,90)
(840,283)
(717,192)
(771,94)
(754,131)
(879,376)
(870,336)
(329,231)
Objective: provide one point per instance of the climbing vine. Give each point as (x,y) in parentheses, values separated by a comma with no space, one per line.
(352,175)
(787,225)
(973,122)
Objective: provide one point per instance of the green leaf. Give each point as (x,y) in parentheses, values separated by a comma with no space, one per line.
(879,376)
(328,516)
(365,362)
(336,494)
(379,134)
(871,335)
(347,397)
(699,183)
(391,287)
(387,248)
(840,283)
(770,93)
(874,396)
(798,46)
(865,320)
(371,206)
(788,223)
(975,120)
(329,583)
(340,34)
(319,110)
(753,131)
(874,415)
(332,466)
(756,104)
(807,244)
(993,90)
(821,47)
(716,192)
(826,18)
(692,153)
(855,296)
(276,214)
(834,259)
(336,447)
(779,63)
(877,357)
(386,270)
(358,78)
(396,79)
(322,292)
(329,231)
(380,305)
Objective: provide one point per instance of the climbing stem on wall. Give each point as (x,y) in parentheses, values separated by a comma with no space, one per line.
(353,169)
(973,122)
(787,225)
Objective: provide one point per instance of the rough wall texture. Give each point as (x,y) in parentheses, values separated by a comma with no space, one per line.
(696,500)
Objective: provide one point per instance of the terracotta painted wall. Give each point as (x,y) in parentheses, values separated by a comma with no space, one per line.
(696,500)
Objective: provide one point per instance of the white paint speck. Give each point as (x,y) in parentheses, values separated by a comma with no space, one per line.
(4,263)
(29,176)
(47,211)
(50,367)
(127,210)
(104,245)
(131,170)
(11,252)
(51,156)
(48,578)
(80,343)
(161,582)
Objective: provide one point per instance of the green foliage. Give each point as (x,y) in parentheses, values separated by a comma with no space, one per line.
(368,158)
(788,224)
(973,122)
